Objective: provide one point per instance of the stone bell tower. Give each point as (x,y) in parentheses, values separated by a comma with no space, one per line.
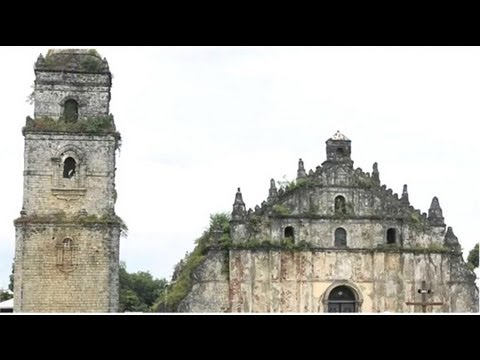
(67,235)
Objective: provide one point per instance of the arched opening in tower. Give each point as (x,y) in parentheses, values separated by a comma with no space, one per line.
(69,166)
(70,112)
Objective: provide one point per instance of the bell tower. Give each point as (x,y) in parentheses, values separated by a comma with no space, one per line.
(67,235)
(339,149)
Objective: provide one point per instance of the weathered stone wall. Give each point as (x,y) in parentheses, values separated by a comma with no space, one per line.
(67,237)
(299,281)
(92,188)
(284,256)
(90,90)
(211,287)
(42,284)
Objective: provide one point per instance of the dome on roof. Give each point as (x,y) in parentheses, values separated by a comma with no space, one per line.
(74,60)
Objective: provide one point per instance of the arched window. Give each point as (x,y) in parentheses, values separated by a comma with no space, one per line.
(340,237)
(340,152)
(289,234)
(340,207)
(70,111)
(67,244)
(69,166)
(65,254)
(342,299)
(391,236)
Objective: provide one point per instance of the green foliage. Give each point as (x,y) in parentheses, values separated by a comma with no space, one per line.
(61,218)
(91,64)
(417,222)
(472,259)
(182,280)
(285,244)
(289,240)
(12,278)
(93,52)
(180,288)
(253,224)
(83,63)
(104,220)
(364,181)
(289,185)
(284,183)
(93,125)
(5,295)
(138,291)
(98,124)
(281,209)
(423,249)
(220,221)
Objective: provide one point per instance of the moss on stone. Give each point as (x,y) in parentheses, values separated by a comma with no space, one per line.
(183,283)
(96,125)
(281,209)
(62,218)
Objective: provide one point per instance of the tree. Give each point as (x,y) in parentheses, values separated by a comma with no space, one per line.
(139,290)
(472,259)
(5,295)
(12,277)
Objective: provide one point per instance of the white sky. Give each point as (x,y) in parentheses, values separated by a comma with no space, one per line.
(199,122)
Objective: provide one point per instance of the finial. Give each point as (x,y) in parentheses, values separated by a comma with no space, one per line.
(301,174)
(239,211)
(404,198)
(272,192)
(435,215)
(450,239)
(238,197)
(375,174)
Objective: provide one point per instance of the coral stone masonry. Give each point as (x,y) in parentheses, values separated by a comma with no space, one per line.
(334,240)
(67,235)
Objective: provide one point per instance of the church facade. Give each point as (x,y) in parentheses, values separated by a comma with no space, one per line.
(67,235)
(335,240)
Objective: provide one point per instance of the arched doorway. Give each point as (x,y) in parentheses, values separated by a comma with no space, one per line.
(342,299)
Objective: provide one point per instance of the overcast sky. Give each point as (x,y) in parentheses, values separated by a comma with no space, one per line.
(199,122)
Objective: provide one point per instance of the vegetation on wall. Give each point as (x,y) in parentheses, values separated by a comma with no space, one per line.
(281,209)
(89,62)
(289,185)
(182,280)
(417,222)
(472,259)
(92,125)
(364,181)
(61,217)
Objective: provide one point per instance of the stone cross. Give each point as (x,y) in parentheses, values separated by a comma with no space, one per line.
(424,291)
